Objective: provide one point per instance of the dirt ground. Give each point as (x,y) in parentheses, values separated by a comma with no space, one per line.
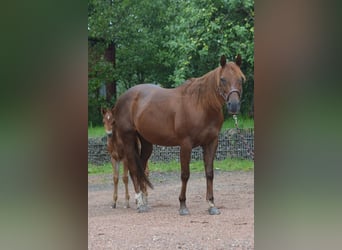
(162,227)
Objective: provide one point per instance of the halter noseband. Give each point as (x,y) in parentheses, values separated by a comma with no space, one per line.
(226,96)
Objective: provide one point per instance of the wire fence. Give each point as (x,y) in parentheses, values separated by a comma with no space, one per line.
(232,144)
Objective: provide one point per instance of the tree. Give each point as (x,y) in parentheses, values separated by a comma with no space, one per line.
(166,42)
(207,29)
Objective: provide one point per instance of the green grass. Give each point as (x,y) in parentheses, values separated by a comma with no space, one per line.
(243,122)
(196,166)
(104,169)
(98,131)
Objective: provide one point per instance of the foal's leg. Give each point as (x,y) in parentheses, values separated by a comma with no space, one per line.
(208,157)
(125,181)
(115,165)
(185,153)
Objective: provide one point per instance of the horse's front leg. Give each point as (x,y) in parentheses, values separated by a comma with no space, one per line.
(185,154)
(115,165)
(208,157)
(125,181)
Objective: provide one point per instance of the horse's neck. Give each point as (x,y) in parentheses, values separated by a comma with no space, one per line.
(204,91)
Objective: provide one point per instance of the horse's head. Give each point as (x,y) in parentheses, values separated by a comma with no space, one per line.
(107,121)
(230,83)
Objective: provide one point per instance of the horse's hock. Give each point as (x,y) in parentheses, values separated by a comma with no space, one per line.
(232,144)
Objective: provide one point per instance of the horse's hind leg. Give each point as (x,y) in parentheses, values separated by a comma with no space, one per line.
(115,165)
(141,205)
(125,181)
(145,153)
(145,193)
(132,162)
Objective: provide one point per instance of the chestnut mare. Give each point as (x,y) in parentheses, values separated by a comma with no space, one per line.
(115,157)
(187,116)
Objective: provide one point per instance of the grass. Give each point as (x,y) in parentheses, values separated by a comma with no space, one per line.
(243,122)
(97,131)
(196,166)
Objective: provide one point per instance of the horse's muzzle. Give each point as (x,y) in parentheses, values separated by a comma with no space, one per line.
(233,107)
(233,101)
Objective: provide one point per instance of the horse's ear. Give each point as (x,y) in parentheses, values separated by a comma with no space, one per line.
(223,60)
(238,60)
(103,110)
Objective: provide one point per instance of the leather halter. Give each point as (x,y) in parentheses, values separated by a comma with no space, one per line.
(225,96)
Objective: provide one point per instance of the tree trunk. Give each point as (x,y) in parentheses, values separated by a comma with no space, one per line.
(110,85)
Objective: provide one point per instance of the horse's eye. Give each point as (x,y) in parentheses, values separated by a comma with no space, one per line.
(223,81)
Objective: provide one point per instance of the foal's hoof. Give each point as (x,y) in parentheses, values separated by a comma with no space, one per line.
(113,205)
(143,209)
(214,211)
(184,211)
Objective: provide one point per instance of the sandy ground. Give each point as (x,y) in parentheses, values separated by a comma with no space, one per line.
(162,227)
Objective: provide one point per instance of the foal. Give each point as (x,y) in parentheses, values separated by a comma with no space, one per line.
(116,156)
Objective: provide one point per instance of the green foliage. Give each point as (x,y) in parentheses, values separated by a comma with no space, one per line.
(167,42)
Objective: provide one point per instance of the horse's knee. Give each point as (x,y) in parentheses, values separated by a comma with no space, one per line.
(209,174)
(116,179)
(125,179)
(185,176)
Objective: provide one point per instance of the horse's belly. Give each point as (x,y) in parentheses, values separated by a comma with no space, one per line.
(158,134)
(165,134)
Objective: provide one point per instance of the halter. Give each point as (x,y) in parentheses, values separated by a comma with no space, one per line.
(226,96)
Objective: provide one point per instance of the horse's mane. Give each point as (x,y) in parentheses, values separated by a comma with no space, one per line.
(204,89)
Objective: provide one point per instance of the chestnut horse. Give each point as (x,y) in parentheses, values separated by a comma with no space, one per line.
(187,116)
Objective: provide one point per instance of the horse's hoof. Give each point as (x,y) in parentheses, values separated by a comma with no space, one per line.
(184,211)
(114,205)
(143,209)
(214,211)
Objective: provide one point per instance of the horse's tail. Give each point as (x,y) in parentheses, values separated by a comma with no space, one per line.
(141,175)
(118,152)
